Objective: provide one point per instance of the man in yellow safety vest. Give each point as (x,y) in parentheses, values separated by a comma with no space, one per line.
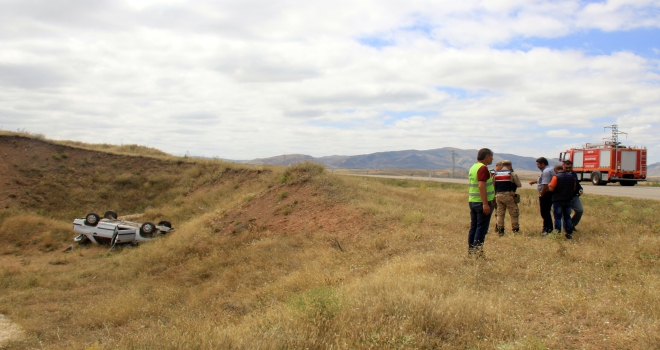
(481,193)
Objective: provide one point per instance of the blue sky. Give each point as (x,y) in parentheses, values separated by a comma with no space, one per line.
(644,42)
(243,80)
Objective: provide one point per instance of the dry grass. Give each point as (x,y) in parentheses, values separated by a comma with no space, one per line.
(403,281)
(131,149)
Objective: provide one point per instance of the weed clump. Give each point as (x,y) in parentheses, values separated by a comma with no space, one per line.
(301,173)
(127,180)
(318,303)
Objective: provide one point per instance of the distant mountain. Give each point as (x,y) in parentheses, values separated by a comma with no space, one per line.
(653,169)
(434,159)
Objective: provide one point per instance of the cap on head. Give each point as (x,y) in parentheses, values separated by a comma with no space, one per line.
(506,162)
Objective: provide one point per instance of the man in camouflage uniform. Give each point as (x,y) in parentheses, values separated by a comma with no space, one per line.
(506,184)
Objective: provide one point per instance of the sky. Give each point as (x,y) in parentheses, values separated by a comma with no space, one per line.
(245,79)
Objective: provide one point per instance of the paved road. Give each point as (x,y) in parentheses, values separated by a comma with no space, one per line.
(616,190)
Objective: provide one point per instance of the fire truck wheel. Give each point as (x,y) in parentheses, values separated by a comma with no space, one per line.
(595,178)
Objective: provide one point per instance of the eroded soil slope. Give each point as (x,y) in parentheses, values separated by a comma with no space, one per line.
(293,209)
(59,181)
(64,182)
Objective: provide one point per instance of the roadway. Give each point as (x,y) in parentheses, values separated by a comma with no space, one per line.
(616,190)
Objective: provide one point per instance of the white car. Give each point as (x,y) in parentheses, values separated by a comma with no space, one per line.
(111,230)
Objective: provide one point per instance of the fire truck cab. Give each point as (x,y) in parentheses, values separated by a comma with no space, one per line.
(609,162)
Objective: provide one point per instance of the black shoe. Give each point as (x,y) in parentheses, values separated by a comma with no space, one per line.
(500,231)
(569,236)
(476,251)
(516,230)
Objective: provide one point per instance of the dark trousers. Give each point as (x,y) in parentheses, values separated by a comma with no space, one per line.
(545,203)
(562,210)
(479,223)
(576,205)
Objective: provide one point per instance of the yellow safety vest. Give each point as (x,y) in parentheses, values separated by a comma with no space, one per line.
(473,184)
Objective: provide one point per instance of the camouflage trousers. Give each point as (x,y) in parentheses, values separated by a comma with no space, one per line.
(506,201)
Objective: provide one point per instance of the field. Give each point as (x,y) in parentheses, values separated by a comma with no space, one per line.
(299,257)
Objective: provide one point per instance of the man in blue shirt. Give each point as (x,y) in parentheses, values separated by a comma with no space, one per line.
(545,196)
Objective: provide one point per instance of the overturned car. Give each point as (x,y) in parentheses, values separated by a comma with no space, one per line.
(111,230)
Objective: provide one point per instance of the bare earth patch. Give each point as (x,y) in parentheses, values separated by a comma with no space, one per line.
(9,331)
(294,209)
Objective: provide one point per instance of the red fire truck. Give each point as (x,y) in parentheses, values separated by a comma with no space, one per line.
(608,162)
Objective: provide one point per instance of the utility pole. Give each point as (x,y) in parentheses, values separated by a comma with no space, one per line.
(615,142)
(453,163)
(615,134)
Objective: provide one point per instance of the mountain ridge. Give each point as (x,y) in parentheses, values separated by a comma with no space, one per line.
(433,159)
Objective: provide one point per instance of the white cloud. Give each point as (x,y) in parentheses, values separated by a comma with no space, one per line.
(248,79)
(565,134)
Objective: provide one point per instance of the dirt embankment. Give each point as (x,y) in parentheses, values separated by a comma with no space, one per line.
(300,208)
(58,180)
(38,175)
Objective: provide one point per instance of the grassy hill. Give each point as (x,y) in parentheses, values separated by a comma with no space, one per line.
(290,258)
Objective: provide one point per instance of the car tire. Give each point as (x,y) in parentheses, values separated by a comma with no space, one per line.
(597,179)
(165,223)
(147,229)
(110,214)
(92,219)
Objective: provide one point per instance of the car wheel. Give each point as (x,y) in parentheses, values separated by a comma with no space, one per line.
(92,219)
(595,178)
(147,229)
(110,214)
(165,223)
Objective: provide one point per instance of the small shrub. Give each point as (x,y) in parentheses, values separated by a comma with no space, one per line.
(126,180)
(60,156)
(282,195)
(301,173)
(413,218)
(317,303)
(288,209)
